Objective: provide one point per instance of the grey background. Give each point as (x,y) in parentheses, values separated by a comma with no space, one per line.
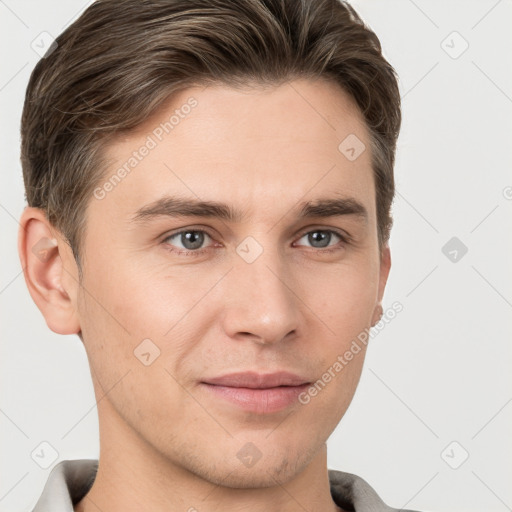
(438,373)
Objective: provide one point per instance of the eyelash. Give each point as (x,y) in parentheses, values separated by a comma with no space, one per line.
(344,237)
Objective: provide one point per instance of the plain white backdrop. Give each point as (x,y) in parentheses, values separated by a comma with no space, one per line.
(429,427)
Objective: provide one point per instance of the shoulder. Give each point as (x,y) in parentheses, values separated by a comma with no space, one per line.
(68,482)
(354,493)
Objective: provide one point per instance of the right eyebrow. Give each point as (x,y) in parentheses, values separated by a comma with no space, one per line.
(177,207)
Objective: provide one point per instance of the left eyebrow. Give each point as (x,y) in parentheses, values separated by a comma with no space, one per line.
(177,207)
(334,208)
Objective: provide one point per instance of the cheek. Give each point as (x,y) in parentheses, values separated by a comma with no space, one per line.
(137,299)
(344,298)
(129,310)
(330,396)
(115,316)
(343,302)
(120,325)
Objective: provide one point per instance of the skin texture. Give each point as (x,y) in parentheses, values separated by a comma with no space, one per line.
(166,444)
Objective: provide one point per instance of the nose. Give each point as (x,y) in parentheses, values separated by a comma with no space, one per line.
(259,300)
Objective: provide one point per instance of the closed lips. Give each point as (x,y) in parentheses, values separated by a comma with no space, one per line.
(253,380)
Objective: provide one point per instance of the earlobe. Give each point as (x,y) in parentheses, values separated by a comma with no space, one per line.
(45,260)
(377,314)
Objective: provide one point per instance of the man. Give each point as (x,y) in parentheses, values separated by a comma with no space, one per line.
(209,186)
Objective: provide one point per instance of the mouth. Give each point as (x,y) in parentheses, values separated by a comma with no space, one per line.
(257,393)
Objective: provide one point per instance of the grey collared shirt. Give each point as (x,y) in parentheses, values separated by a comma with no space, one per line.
(70,480)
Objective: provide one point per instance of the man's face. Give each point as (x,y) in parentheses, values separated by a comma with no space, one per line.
(268,292)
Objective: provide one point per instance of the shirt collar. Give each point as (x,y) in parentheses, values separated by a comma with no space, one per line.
(70,480)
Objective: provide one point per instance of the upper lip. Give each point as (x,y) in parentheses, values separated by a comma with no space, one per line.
(258,380)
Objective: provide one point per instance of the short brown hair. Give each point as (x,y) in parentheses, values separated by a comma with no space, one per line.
(121,59)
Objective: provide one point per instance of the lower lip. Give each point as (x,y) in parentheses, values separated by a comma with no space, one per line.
(261,401)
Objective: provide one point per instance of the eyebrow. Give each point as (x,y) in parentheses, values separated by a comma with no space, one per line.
(169,206)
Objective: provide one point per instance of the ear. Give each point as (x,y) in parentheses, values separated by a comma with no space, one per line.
(385,265)
(50,271)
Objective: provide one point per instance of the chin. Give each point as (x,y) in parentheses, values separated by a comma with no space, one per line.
(273,466)
(262,476)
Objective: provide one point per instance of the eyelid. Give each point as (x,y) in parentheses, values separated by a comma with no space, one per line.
(201,229)
(340,232)
(343,235)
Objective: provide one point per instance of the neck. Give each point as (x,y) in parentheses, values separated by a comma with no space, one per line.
(133,476)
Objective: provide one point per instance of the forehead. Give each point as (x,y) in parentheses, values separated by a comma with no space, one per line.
(259,148)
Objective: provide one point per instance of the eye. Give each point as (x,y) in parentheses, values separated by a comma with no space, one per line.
(190,240)
(322,238)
